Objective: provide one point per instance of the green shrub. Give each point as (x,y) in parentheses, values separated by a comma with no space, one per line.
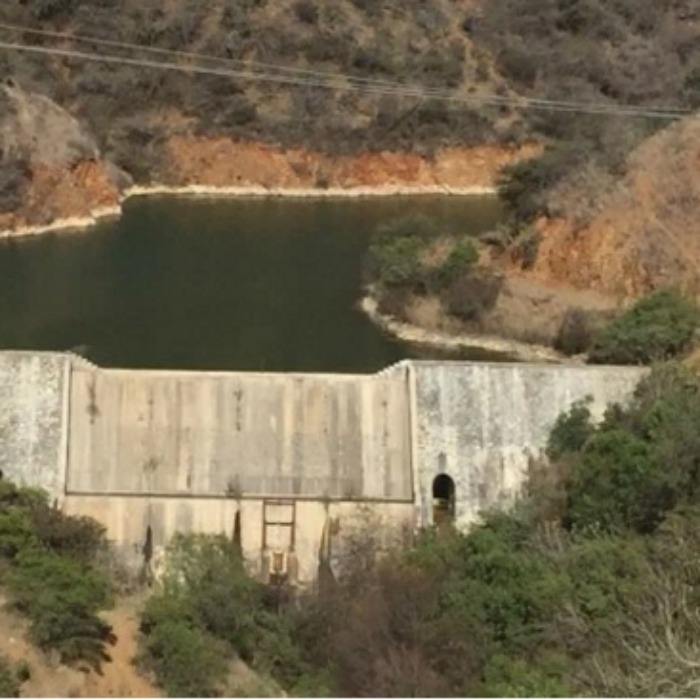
(658,327)
(47,566)
(522,187)
(208,595)
(78,537)
(9,681)
(507,677)
(460,260)
(640,463)
(570,431)
(394,255)
(187,662)
(605,572)
(396,262)
(61,598)
(209,572)
(615,485)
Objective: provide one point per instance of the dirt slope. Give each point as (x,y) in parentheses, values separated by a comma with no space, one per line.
(52,679)
(51,166)
(648,231)
(225,162)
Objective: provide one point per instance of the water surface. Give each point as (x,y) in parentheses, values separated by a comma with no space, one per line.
(238,284)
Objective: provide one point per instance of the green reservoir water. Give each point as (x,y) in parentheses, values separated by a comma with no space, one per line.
(238,284)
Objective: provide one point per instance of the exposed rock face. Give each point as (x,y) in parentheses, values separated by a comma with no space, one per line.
(648,232)
(52,168)
(34,124)
(229,163)
(53,171)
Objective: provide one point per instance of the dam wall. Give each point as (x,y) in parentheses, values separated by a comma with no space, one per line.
(289,464)
(338,437)
(266,526)
(33,418)
(278,456)
(482,423)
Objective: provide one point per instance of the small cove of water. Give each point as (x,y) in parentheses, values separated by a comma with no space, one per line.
(227,284)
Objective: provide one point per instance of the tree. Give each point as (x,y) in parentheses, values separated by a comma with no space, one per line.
(658,327)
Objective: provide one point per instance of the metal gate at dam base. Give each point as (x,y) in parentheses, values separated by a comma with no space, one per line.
(289,463)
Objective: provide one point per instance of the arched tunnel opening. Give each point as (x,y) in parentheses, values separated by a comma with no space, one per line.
(443,500)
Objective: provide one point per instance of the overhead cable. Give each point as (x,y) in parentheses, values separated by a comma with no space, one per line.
(333,82)
(423,91)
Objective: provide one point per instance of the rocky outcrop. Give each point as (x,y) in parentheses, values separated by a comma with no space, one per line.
(647,233)
(228,163)
(52,169)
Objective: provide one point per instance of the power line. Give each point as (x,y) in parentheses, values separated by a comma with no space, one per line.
(82,38)
(374,88)
(414,90)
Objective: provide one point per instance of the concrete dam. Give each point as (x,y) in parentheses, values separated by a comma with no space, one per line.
(291,464)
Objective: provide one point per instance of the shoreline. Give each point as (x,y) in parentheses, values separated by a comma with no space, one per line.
(71,223)
(407,332)
(403,331)
(308,192)
(75,223)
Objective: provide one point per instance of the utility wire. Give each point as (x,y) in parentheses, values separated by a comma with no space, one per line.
(423,91)
(414,90)
(374,88)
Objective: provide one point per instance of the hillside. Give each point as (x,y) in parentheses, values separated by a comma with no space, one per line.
(310,119)
(50,678)
(134,112)
(646,233)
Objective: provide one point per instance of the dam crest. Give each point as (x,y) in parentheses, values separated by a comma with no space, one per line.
(291,464)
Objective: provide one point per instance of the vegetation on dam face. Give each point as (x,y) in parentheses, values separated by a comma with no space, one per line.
(588,587)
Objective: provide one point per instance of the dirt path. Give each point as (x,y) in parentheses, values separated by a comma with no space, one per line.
(120,677)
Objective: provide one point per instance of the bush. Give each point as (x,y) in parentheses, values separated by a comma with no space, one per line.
(393,301)
(571,431)
(186,661)
(394,255)
(80,538)
(49,572)
(472,295)
(61,599)
(460,260)
(508,677)
(210,574)
(616,485)
(9,682)
(658,327)
(208,610)
(575,333)
(412,226)
(642,462)
(306,11)
(525,247)
(397,261)
(522,187)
